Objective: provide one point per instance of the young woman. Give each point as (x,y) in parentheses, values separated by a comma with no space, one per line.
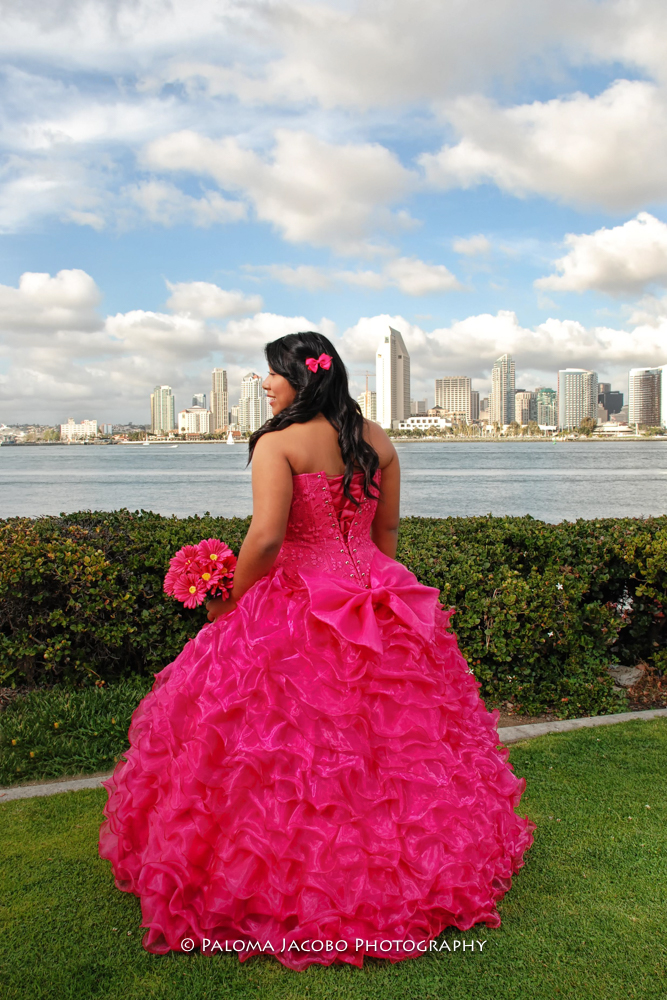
(315,776)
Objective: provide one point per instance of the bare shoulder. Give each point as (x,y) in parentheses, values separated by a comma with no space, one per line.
(272,446)
(377,438)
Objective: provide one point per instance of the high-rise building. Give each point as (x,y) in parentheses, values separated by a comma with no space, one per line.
(199,399)
(253,405)
(195,420)
(163,410)
(452,393)
(219,399)
(484,409)
(525,407)
(501,399)
(647,396)
(577,396)
(418,406)
(393,379)
(474,404)
(546,405)
(368,404)
(611,401)
(71,431)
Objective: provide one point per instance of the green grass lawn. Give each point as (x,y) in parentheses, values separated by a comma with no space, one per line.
(584,919)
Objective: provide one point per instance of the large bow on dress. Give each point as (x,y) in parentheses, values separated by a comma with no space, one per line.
(350,608)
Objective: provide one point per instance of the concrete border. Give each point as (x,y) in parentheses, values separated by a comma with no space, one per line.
(512,734)
(508,734)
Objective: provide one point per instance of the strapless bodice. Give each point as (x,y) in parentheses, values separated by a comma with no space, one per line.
(328,531)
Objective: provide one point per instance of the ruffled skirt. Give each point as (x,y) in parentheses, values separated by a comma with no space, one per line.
(285,786)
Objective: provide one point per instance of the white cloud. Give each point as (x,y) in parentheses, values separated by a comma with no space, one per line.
(312,191)
(414,277)
(364,279)
(350,55)
(208,301)
(165,204)
(313,279)
(607,150)
(619,261)
(472,246)
(146,333)
(67,301)
(409,274)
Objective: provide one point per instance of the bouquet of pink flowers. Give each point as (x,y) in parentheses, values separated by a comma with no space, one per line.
(202,571)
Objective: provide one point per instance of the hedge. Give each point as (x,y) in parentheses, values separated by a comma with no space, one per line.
(541,609)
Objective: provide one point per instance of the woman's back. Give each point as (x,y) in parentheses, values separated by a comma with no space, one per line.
(313,446)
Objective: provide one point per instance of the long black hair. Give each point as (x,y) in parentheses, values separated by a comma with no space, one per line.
(324,391)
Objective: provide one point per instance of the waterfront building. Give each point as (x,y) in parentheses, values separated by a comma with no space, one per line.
(195,420)
(452,393)
(254,409)
(647,396)
(163,410)
(199,399)
(484,410)
(368,404)
(577,397)
(525,407)
(71,431)
(501,400)
(392,380)
(418,406)
(422,422)
(106,429)
(474,405)
(219,399)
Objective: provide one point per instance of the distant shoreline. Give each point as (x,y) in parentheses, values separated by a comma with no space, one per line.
(395,440)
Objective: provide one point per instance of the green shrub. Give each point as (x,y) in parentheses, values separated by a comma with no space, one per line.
(53,732)
(82,593)
(541,609)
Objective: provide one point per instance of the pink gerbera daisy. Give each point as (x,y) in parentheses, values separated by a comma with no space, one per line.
(186,560)
(190,589)
(216,556)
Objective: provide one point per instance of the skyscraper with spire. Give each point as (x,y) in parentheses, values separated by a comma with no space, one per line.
(392,380)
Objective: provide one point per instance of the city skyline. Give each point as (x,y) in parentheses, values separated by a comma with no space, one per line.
(579,394)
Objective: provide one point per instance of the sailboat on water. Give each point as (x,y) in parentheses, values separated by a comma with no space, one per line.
(230,438)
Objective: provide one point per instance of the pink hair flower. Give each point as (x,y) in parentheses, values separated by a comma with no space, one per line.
(324,361)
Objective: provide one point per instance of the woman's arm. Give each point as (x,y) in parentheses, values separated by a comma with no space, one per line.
(271,500)
(384,529)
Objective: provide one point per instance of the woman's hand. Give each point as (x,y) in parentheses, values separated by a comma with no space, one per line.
(219,606)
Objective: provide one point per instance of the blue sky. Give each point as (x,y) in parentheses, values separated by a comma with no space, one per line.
(182,182)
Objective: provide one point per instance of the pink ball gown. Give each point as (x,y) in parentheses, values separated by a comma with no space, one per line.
(315,775)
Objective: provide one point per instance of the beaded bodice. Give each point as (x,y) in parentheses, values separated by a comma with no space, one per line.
(326,531)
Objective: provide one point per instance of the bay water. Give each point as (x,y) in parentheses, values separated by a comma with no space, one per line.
(550,481)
